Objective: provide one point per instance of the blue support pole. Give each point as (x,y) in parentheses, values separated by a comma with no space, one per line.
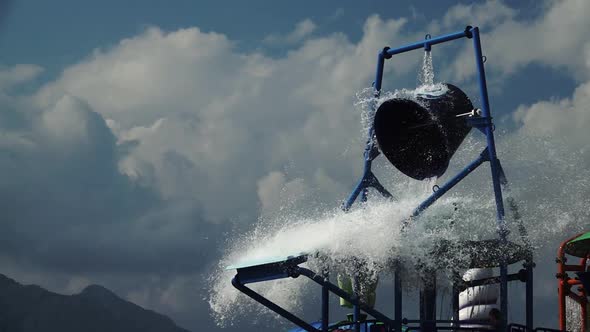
(529,265)
(356,309)
(494,165)
(371,151)
(397,299)
(272,306)
(379,73)
(325,305)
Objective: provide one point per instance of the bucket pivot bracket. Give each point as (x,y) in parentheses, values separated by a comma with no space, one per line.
(479,122)
(371,181)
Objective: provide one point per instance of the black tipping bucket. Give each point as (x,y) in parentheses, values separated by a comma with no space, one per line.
(420,136)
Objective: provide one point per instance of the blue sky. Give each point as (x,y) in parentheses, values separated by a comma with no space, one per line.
(58,35)
(148,133)
(54,36)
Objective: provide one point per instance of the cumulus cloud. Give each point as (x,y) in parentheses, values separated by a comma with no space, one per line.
(69,213)
(483,14)
(555,38)
(564,117)
(139,158)
(207,122)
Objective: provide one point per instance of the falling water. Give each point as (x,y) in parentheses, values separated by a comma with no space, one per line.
(426,75)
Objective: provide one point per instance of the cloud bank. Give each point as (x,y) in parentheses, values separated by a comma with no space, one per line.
(136,166)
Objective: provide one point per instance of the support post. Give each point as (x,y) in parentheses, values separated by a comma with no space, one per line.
(529,265)
(272,306)
(455,304)
(356,316)
(428,302)
(325,305)
(397,296)
(494,165)
(371,151)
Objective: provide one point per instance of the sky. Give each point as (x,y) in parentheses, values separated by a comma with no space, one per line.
(140,138)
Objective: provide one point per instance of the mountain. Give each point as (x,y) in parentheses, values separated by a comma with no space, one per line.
(33,309)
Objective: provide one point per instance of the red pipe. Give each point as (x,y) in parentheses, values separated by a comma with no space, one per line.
(573,282)
(563,288)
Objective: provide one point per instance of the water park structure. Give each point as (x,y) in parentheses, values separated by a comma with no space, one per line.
(419,137)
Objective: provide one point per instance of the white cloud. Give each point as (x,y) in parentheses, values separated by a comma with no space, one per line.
(302,30)
(230,118)
(483,14)
(136,81)
(198,131)
(566,118)
(555,39)
(137,151)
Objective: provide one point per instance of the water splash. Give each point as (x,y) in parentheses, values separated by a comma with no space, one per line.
(370,234)
(551,185)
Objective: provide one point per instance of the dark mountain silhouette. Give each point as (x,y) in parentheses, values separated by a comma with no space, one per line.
(33,309)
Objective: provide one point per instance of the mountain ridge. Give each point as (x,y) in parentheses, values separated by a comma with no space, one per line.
(28,308)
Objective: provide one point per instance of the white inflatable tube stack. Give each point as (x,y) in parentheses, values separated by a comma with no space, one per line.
(475,303)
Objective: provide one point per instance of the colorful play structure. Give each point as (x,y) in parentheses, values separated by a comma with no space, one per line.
(419,137)
(573,283)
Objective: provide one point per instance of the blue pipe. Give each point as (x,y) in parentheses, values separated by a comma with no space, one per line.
(451,183)
(429,42)
(502,230)
(379,74)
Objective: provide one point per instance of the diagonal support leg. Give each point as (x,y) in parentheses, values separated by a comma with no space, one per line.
(272,306)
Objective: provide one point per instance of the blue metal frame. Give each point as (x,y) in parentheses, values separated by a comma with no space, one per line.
(289,267)
(483,123)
